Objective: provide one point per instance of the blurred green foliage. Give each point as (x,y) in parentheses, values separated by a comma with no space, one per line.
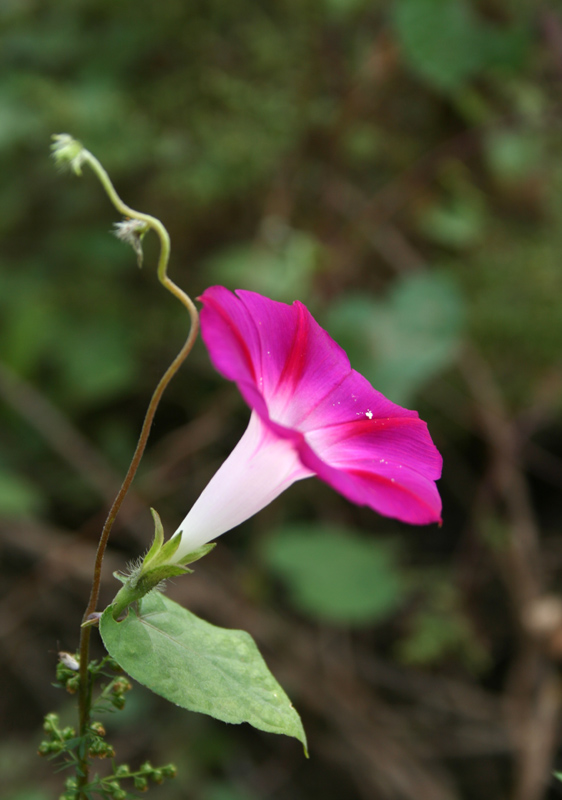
(403,341)
(336,575)
(394,165)
(447,43)
(282,263)
(439,628)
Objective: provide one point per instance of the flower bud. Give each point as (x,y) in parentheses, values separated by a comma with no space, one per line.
(69,661)
(97,728)
(132,231)
(169,771)
(68,152)
(157,776)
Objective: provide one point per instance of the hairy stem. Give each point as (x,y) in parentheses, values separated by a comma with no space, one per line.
(160,230)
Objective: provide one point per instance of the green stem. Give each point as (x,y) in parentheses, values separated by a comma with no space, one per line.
(160,230)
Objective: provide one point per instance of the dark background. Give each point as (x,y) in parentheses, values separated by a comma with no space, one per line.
(397,167)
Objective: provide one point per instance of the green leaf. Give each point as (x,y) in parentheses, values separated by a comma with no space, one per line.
(459,219)
(447,44)
(400,343)
(199,666)
(440,40)
(513,154)
(282,265)
(336,575)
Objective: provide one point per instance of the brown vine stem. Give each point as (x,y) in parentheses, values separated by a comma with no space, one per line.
(154,224)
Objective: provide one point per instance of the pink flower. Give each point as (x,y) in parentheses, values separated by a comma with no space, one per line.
(311,415)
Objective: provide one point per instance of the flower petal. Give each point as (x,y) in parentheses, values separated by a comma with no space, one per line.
(300,383)
(260,467)
(375,452)
(278,355)
(394,490)
(353,398)
(379,432)
(233,343)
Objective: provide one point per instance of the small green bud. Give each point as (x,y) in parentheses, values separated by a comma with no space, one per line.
(146,768)
(119,795)
(118,701)
(68,733)
(97,728)
(109,751)
(71,783)
(44,749)
(63,673)
(157,776)
(169,771)
(122,771)
(121,685)
(140,783)
(73,684)
(51,722)
(113,786)
(97,748)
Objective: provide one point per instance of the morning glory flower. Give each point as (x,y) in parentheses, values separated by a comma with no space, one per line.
(311,415)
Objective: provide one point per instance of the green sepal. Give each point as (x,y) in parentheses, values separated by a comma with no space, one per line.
(152,577)
(199,553)
(168,551)
(158,536)
(161,553)
(136,587)
(158,565)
